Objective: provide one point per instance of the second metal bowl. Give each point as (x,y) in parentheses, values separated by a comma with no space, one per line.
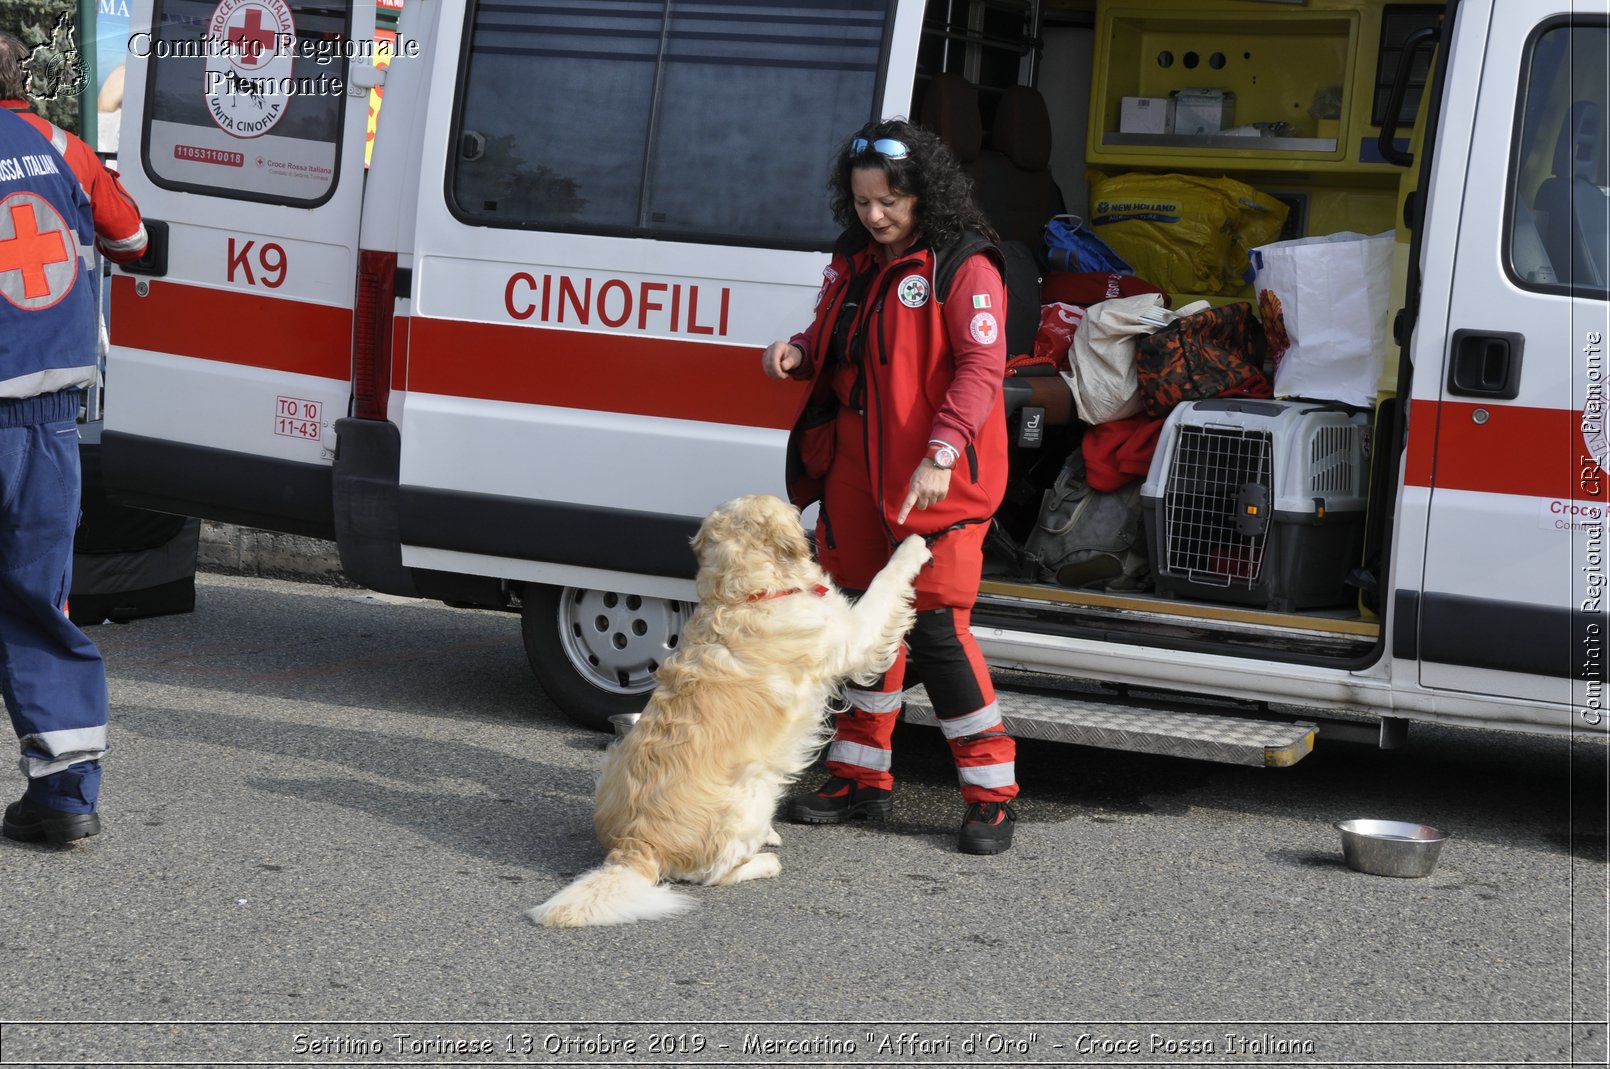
(1391,847)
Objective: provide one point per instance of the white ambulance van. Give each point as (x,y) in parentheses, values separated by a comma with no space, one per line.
(515,361)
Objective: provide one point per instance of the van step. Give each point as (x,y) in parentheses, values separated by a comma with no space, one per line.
(1203,736)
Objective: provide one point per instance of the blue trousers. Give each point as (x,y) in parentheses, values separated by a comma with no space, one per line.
(51,675)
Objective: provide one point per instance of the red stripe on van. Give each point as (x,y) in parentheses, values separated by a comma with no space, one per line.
(1420,455)
(249,329)
(1530,452)
(597,371)
(399,353)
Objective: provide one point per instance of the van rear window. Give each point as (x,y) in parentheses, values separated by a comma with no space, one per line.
(686,121)
(246,97)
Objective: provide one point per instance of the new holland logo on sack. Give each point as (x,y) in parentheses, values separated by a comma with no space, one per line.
(1184,233)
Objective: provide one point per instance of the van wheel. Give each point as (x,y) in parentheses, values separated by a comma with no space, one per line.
(595,652)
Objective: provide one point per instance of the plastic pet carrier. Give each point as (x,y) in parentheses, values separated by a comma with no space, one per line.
(1257,502)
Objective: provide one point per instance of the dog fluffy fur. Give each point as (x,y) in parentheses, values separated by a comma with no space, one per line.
(738,713)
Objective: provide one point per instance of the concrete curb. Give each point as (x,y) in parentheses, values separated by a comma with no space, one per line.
(234,550)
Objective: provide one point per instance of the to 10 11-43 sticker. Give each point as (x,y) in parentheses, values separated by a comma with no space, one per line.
(297,417)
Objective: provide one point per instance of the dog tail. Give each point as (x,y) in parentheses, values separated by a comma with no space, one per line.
(619,891)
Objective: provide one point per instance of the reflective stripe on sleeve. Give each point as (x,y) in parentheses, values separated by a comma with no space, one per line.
(975,723)
(853,753)
(874,701)
(988,775)
(137,240)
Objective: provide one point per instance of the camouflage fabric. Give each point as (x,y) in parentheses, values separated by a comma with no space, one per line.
(1199,356)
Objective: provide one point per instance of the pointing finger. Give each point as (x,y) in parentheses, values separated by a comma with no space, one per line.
(905,509)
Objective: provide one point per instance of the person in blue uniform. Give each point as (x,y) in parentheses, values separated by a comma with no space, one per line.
(51,675)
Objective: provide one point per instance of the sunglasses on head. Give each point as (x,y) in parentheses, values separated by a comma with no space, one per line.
(887,147)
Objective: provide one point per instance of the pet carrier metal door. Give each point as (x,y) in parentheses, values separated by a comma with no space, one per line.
(1216,506)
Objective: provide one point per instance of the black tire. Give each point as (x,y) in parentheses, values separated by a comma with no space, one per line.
(595,652)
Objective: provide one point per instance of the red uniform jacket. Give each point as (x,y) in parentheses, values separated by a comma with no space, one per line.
(900,339)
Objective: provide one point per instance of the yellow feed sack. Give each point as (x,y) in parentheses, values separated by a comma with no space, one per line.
(1184,233)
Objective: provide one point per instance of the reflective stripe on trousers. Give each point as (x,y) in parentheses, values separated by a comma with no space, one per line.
(49,752)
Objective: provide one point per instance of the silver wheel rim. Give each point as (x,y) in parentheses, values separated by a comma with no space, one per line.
(617,642)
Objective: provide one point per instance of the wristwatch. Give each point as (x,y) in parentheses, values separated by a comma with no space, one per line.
(942,455)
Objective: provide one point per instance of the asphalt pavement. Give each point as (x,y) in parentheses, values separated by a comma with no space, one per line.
(326,812)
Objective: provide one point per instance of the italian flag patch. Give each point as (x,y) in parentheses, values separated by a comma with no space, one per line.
(980,300)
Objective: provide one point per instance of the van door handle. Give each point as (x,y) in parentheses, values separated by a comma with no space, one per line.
(154,260)
(1486,363)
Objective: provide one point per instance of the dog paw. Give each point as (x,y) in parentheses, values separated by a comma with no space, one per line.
(758,867)
(764,866)
(914,552)
(772,838)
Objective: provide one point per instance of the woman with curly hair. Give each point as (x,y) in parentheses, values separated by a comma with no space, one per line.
(904,432)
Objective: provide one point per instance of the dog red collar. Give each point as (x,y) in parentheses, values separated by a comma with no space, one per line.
(819,590)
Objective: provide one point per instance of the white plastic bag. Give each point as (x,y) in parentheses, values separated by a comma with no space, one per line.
(1323,302)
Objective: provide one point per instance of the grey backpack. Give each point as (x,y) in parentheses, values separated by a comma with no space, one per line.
(1088,538)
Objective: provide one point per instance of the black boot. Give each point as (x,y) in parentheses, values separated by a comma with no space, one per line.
(987,828)
(29,822)
(839,800)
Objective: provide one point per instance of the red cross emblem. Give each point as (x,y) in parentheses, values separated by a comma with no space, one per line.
(31,258)
(250,36)
(982,328)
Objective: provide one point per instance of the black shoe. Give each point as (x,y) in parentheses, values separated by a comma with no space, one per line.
(839,800)
(987,828)
(29,822)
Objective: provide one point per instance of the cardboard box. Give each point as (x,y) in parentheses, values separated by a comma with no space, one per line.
(1146,115)
(1203,111)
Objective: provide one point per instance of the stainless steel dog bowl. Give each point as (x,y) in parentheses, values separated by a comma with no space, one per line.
(1390,847)
(624,722)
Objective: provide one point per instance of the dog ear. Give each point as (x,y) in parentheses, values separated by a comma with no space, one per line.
(725,547)
(780,532)
(715,532)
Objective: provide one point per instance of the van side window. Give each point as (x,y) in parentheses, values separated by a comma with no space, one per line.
(245,98)
(1559,225)
(686,121)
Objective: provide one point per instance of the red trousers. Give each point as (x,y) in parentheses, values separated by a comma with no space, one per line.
(853,546)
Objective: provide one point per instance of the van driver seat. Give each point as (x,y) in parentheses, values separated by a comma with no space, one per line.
(950,109)
(1016,189)
(1572,209)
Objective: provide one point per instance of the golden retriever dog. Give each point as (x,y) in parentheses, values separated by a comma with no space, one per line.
(738,712)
